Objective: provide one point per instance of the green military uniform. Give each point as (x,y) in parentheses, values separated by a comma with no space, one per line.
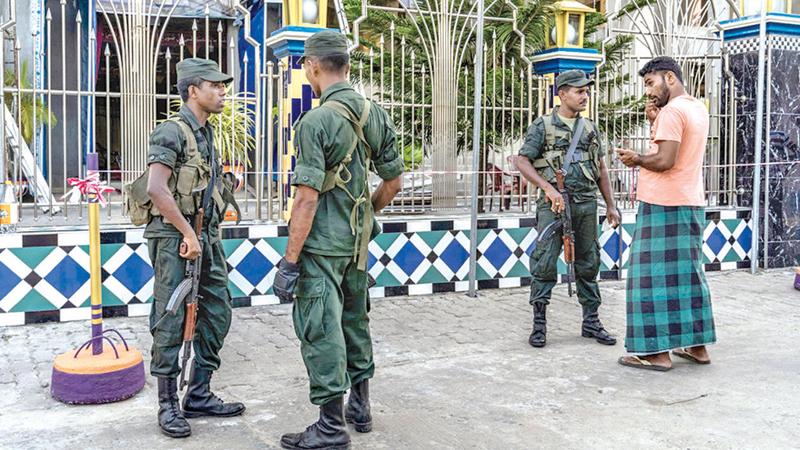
(187,148)
(337,145)
(332,302)
(168,147)
(546,145)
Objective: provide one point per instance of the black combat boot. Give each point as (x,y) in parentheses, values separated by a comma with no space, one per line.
(170,418)
(539,335)
(328,433)
(200,401)
(357,410)
(592,328)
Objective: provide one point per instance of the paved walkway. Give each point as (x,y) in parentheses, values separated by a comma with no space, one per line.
(456,373)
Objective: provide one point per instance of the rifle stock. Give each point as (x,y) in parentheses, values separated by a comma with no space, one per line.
(191,319)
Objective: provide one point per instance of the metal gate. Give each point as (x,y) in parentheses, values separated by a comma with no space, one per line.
(418,65)
(414,59)
(684,30)
(132,91)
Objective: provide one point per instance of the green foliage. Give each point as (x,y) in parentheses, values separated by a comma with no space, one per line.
(30,109)
(503,47)
(412,156)
(232,137)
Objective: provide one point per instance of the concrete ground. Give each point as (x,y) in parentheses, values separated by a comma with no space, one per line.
(456,373)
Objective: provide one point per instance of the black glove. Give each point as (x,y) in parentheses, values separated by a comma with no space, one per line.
(286,280)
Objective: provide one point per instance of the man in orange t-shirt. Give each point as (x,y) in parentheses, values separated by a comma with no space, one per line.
(667,298)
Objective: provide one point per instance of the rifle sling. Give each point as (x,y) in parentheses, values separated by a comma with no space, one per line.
(573,145)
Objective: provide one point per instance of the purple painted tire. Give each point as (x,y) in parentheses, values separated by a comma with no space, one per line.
(97,388)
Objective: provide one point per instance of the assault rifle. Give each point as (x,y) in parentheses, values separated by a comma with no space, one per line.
(567,235)
(187,293)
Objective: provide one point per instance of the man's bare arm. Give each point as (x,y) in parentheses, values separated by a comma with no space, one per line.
(605,188)
(662,160)
(386,191)
(531,174)
(605,184)
(303,210)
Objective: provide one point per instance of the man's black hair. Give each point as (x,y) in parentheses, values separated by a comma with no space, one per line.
(333,63)
(183,86)
(662,64)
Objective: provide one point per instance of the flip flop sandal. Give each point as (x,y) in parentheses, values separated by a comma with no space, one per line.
(641,364)
(682,353)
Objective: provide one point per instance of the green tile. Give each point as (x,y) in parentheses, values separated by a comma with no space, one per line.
(107,251)
(385,240)
(32,256)
(386,279)
(519,270)
(432,276)
(731,224)
(278,244)
(109,299)
(235,291)
(732,256)
(34,301)
(431,237)
(518,234)
(230,245)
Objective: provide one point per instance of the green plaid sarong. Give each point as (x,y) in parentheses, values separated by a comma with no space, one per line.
(667,300)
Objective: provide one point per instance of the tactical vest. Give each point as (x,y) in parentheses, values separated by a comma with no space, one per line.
(188,182)
(339,175)
(552,157)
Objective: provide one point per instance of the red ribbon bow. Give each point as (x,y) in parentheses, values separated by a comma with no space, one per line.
(90,185)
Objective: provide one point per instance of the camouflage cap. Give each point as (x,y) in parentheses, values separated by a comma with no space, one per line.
(574,78)
(202,68)
(325,43)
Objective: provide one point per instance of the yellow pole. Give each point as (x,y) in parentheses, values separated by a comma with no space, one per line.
(299,99)
(95,272)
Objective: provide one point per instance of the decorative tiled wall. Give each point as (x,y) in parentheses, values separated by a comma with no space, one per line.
(45,277)
(779,194)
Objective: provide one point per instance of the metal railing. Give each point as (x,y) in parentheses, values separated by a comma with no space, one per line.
(431,110)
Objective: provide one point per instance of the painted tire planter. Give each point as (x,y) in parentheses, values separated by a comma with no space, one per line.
(79,377)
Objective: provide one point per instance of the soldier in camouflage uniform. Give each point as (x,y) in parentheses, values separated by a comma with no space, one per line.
(332,221)
(541,155)
(182,161)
